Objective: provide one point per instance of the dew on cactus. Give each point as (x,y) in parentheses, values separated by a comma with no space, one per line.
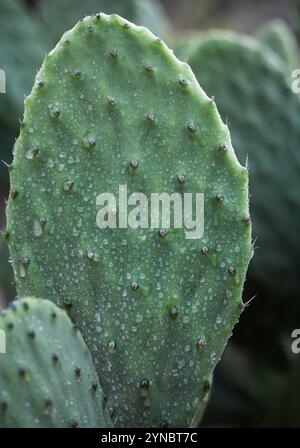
(149,303)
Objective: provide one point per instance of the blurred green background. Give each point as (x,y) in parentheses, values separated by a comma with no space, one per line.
(256,383)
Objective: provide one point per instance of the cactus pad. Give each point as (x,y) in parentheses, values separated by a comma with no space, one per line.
(267,131)
(277,36)
(46,375)
(112,106)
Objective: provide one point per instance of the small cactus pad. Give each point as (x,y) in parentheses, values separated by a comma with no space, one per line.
(47,379)
(277,36)
(268,133)
(155,308)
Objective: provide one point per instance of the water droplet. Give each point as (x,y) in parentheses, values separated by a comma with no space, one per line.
(23,263)
(186,319)
(139,318)
(37,228)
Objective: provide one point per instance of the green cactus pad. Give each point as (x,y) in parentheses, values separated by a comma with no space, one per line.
(184,43)
(47,379)
(277,36)
(113,106)
(244,76)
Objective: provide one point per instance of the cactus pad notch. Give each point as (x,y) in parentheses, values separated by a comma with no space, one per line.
(47,379)
(155,308)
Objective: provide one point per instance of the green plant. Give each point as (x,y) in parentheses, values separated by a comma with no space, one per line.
(112,105)
(277,35)
(244,75)
(184,43)
(47,377)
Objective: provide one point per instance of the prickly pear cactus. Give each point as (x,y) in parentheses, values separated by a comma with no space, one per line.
(268,133)
(277,35)
(184,43)
(47,378)
(112,106)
